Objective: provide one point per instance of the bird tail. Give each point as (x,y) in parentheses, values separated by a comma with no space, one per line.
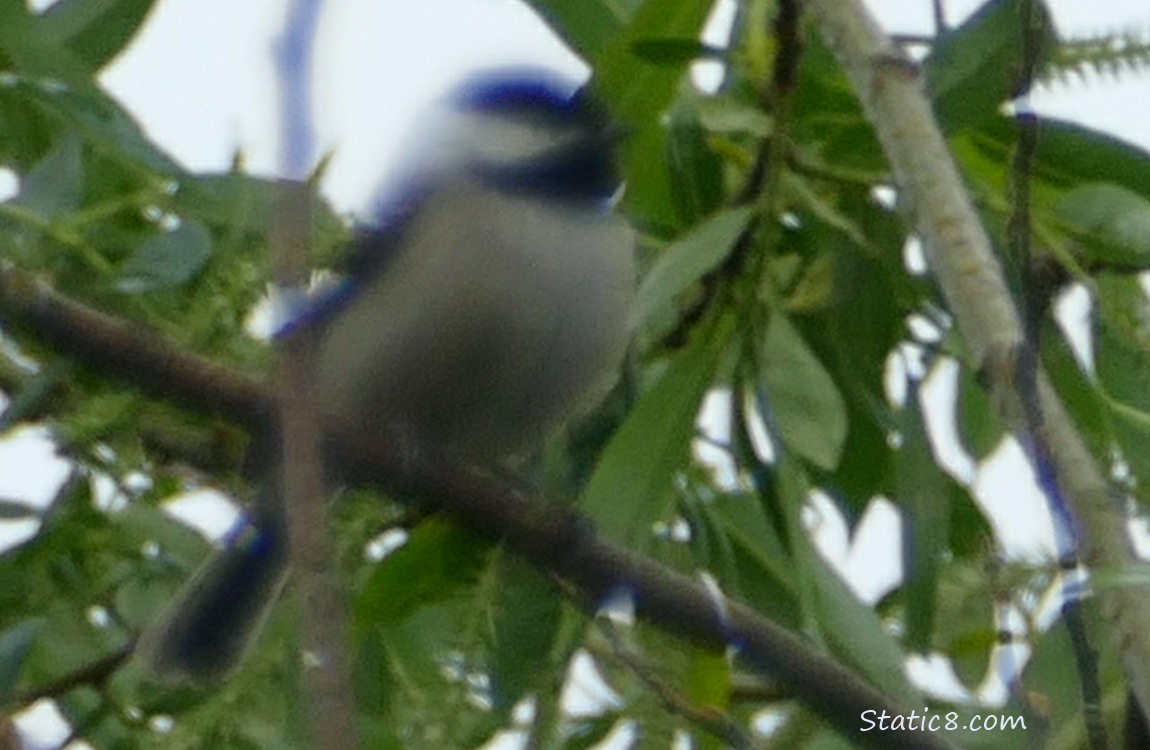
(205,632)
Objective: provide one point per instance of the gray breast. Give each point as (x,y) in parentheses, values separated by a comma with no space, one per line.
(500,318)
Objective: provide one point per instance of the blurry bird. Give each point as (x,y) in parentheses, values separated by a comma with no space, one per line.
(488,307)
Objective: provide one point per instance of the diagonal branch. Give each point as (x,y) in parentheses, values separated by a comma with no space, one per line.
(130,353)
(555,539)
(960,256)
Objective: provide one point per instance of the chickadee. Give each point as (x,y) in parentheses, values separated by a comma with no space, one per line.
(490,307)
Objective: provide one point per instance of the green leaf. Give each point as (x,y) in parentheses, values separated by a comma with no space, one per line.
(756,566)
(30,108)
(732,116)
(55,186)
(15,643)
(866,462)
(1122,339)
(588,26)
(1132,428)
(631,486)
(586,733)
(972,69)
(708,681)
(923,493)
(34,394)
(94,30)
(639,93)
(686,261)
(870,299)
(697,184)
(1117,218)
(1122,364)
(26,51)
(805,403)
(374,681)
(979,425)
(524,622)
(167,260)
(830,121)
(1051,675)
(1072,154)
(804,195)
(438,560)
(856,634)
(181,551)
(15,510)
(246,205)
(1079,393)
(1067,155)
(674,50)
(966,630)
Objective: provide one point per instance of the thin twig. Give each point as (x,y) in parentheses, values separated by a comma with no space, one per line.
(710,719)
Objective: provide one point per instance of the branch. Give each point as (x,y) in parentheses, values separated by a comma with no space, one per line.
(555,539)
(320,609)
(128,352)
(959,252)
(714,720)
(94,673)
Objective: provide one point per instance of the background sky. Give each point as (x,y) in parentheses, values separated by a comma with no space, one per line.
(200,79)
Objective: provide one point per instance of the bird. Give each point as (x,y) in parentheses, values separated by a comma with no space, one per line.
(486,306)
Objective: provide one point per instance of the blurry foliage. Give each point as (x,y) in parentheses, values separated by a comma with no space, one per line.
(1116,54)
(773,269)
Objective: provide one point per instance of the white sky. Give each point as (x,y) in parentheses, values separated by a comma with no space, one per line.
(200,77)
(377,64)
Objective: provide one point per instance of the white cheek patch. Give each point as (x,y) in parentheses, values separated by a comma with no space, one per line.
(453,141)
(502,141)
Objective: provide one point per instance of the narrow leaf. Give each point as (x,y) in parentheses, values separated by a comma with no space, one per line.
(686,261)
(437,561)
(1118,218)
(805,402)
(972,69)
(94,30)
(631,486)
(15,643)
(167,260)
(55,185)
